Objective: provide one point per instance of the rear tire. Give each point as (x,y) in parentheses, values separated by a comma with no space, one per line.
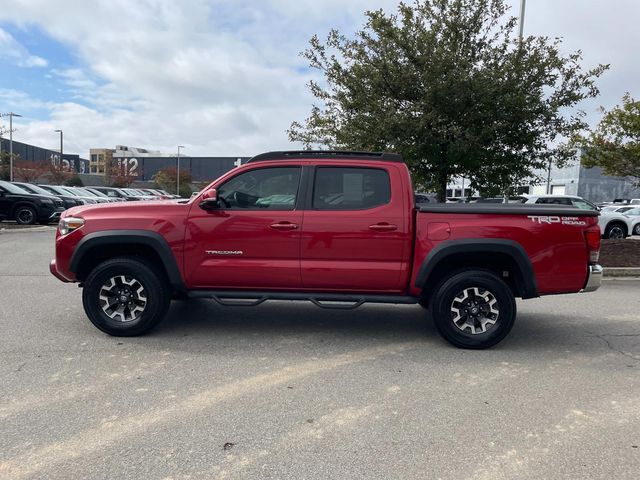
(125,297)
(473,309)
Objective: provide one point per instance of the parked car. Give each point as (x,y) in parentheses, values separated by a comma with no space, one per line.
(511,199)
(242,240)
(67,200)
(634,213)
(423,198)
(61,190)
(134,192)
(113,192)
(85,192)
(612,224)
(102,195)
(28,208)
(164,192)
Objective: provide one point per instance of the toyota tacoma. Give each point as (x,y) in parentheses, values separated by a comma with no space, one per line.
(335,228)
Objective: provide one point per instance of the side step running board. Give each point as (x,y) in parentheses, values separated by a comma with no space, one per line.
(341,301)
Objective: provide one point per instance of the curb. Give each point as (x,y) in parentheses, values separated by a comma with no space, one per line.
(622,272)
(44,228)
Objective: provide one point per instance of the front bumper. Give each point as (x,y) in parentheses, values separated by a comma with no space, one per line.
(594,278)
(53,268)
(56,215)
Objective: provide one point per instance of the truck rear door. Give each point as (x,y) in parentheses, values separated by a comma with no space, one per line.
(356,231)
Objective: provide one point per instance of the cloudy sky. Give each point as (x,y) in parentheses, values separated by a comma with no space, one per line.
(223,77)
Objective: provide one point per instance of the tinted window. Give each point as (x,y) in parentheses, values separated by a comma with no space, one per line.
(265,188)
(350,188)
(11,188)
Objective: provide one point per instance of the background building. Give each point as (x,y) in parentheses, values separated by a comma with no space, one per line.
(32,153)
(574,179)
(98,158)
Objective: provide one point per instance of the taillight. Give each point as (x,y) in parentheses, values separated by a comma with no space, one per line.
(592,237)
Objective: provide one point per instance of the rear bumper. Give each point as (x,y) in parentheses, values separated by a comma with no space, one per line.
(594,278)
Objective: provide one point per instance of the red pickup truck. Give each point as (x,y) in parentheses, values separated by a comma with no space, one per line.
(336,228)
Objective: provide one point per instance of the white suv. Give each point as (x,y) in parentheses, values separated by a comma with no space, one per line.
(612,224)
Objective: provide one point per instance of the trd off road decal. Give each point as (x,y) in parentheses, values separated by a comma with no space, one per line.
(555,219)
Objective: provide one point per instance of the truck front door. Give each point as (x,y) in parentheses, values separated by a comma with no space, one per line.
(252,241)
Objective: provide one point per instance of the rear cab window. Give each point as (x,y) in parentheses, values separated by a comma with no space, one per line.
(350,188)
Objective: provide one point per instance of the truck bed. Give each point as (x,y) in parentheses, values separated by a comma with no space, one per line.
(552,237)
(507,209)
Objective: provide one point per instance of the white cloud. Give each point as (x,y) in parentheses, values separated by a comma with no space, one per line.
(224,77)
(13,51)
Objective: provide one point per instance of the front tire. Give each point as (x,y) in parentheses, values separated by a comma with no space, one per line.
(125,297)
(25,215)
(636,229)
(615,231)
(473,309)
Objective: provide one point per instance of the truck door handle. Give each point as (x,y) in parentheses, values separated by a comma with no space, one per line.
(284,226)
(383,227)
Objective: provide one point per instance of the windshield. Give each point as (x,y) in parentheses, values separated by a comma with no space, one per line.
(34,189)
(11,188)
(85,192)
(66,191)
(96,192)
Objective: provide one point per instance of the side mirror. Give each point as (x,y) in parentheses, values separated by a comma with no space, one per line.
(210,200)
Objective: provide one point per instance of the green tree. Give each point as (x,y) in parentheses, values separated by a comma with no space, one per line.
(445,83)
(4,164)
(614,144)
(167,177)
(74,181)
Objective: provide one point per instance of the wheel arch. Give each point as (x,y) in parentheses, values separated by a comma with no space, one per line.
(619,222)
(496,255)
(23,203)
(97,247)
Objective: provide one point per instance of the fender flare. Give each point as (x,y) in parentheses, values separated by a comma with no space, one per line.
(510,248)
(131,237)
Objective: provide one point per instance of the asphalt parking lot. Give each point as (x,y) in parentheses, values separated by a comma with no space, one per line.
(290,391)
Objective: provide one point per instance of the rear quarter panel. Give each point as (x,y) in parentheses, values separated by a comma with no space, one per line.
(557,251)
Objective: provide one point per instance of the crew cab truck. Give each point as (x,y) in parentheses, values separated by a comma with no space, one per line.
(336,228)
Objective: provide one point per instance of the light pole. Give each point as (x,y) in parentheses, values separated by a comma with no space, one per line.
(11,115)
(178,171)
(60,146)
(521,29)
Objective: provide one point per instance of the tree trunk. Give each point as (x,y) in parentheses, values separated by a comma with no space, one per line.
(441,192)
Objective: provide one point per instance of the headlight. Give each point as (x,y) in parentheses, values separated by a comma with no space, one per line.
(69,224)
(79,201)
(90,200)
(46,201)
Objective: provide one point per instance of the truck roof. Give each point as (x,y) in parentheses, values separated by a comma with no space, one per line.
(327,155)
